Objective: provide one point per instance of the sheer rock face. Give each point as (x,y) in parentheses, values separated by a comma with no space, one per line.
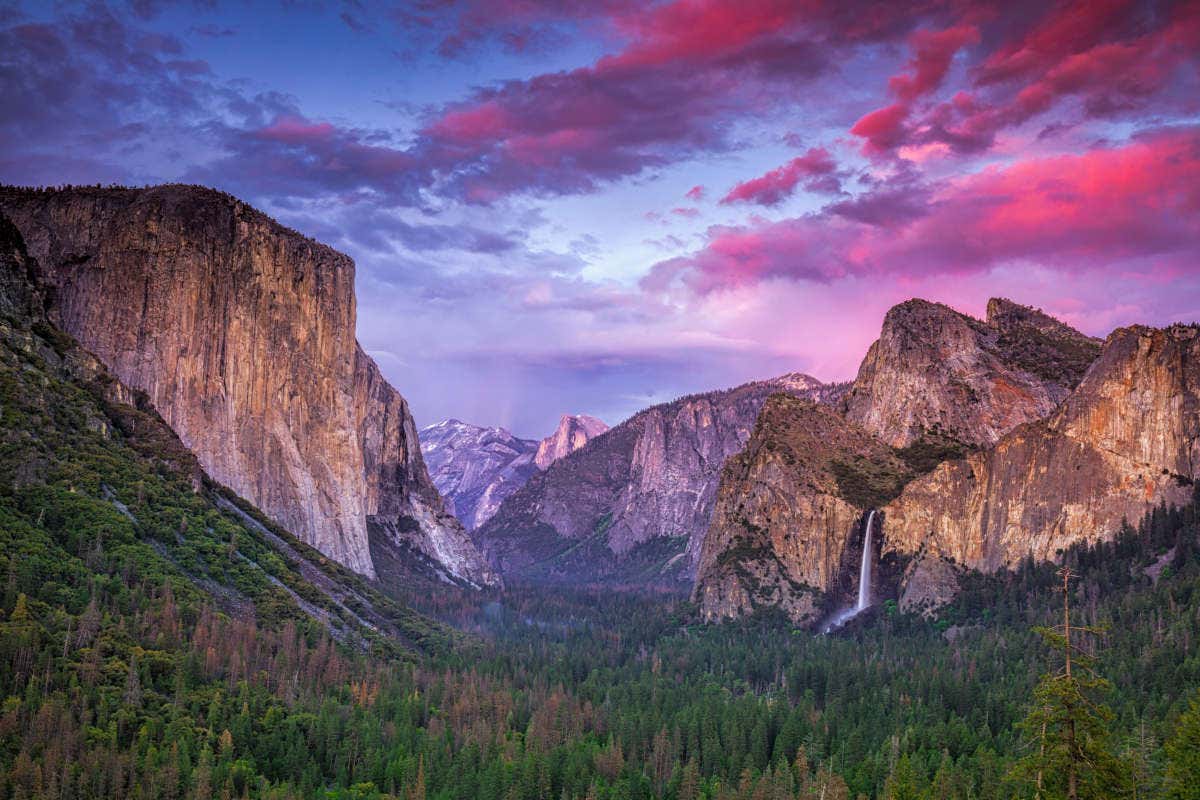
(633,503)
(241,333)
(1126,439)
(782,525)
(933,368)
(476,468)
(573,432)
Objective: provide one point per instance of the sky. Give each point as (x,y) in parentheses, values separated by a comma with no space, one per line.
(590,206)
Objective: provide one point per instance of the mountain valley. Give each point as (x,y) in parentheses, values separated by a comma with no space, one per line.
(619,612)
(599,400)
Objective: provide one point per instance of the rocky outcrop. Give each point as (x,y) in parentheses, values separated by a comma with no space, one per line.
(402,502)
(573,432)
(1120,436)
(476,468)
(935,370)
(929,582)
(788,507)
(1125,440)
(21,296)
(937,385)
(241,333)
(633,504)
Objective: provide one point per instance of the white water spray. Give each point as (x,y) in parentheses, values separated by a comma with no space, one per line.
(864,582)
(864,572)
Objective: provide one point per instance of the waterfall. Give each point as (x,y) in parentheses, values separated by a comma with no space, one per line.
(864,582)
(864,571)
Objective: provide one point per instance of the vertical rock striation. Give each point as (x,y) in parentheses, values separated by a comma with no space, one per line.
(1125,440)
(241,333)
(21,295)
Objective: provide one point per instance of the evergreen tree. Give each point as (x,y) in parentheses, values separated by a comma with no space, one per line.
(1183,755)
(903,783)
(1070,753)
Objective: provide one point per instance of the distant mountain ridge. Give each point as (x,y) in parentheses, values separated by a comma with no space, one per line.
(475,468)
(573,432)
(634,502)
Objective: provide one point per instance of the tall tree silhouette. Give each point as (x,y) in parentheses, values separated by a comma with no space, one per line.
(1070,754)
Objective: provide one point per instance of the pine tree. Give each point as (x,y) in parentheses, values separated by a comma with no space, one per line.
(903,783)
(20,612)
(417,790)
(689,787)
(1067,731)
(1183,755)
(202,790)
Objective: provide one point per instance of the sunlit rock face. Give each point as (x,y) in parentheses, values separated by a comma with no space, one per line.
(783,517)
(634,503)
(241,333)
(1062,440)
(934,369)
(476,468)
(1125,440)
(573,432)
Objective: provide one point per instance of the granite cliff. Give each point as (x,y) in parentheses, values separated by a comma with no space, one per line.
(86,456)
(633,504)
(937,385)
(476,468)
(787,509)
(936,370)
(1125,440)
(241,334)
(573,432)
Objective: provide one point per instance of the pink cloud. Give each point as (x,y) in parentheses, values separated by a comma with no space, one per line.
(932,53)
(686,70)
(697,29)
(1124,210)
(816,168)
(472,124)
(695,193)
(883,129)
(296,130)
(1116,57)
(1068,28)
